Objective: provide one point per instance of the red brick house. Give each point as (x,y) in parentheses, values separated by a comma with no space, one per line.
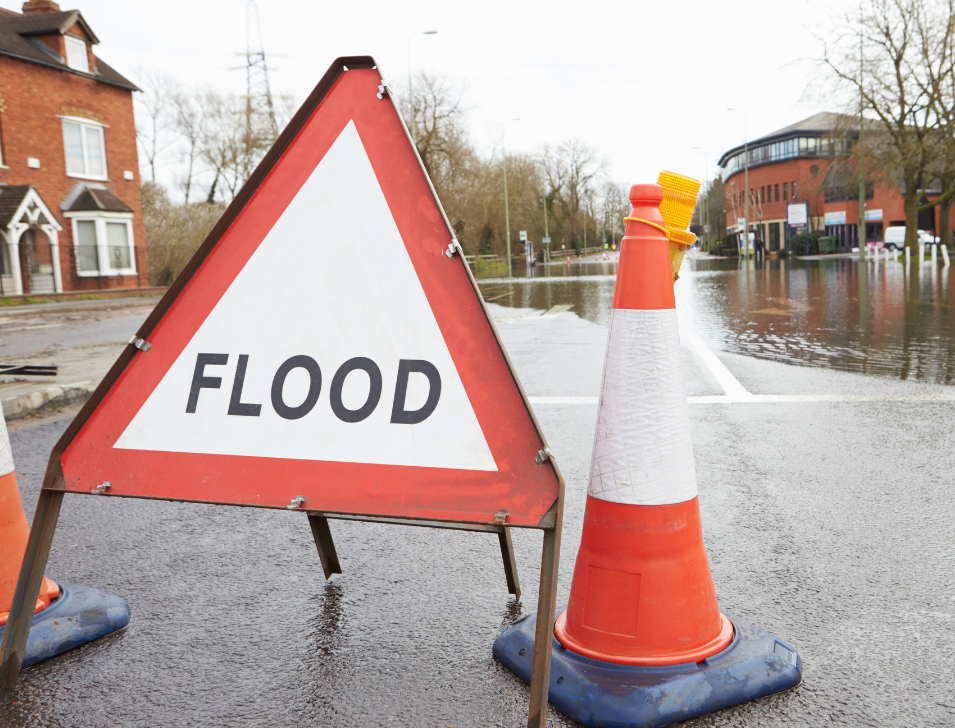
(70,212)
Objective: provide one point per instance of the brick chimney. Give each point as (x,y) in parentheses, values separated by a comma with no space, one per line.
(36,7)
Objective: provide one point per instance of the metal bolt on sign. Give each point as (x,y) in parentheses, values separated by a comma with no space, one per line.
(140,344)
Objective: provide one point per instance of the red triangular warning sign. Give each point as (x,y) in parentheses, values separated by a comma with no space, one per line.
(323,343)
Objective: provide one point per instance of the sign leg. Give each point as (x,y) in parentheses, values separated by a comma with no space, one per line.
(28,586)
(510,562)
(325,545)
(544,637)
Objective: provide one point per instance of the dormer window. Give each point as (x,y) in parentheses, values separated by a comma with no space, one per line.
(76,56)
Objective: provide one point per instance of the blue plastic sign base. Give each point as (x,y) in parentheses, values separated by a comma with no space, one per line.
(605,694)
(80,614)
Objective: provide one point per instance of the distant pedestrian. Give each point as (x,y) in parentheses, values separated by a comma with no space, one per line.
(759,247)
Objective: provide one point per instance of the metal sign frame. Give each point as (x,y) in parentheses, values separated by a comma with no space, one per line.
(54,487)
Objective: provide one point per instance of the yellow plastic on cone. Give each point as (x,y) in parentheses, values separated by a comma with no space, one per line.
(679,200)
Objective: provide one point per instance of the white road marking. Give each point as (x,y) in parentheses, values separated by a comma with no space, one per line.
(730,384)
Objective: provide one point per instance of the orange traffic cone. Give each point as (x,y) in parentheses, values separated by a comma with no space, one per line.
(642,641)
(13,534)
(66,615)
(642,593)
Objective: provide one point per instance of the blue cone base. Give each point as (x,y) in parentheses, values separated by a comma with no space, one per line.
(80,614)
(605,694)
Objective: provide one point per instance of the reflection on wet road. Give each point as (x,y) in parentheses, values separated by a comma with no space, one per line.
(896,320)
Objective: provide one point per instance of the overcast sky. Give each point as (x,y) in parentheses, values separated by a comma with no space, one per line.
(643,82)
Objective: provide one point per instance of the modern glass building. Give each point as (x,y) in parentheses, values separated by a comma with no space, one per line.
(811,161)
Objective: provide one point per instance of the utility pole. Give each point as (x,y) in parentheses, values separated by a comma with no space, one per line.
(507,217)
(507,213)
(546,233)
(746,183)
(258,93)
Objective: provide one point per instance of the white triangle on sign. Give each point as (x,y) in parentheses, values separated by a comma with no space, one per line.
(332,281)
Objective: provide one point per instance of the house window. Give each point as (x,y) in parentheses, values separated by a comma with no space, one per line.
(785,191)
(76,57)
(794,190)
(87,252)
(103,246)
(777,193)
(85,149)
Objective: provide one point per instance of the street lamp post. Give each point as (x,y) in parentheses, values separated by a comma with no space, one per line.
(546,233)
(745,182)
(861,232)
(507,213)
(414,137)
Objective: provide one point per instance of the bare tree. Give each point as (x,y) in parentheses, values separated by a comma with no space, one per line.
(154,122)
(901,41)
(234,140)
(439,125)
(173,232)
(190,121)
(937,40)
(571,169)
(616,206)
(713,199)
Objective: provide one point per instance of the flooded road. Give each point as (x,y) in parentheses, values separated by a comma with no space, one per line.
(895,321)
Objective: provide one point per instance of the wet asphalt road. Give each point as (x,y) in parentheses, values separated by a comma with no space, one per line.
(53,326)
(827,523)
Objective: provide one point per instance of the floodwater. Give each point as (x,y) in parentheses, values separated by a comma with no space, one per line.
(896,320)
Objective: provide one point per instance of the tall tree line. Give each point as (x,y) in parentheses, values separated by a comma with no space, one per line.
(568,180)
(205,144)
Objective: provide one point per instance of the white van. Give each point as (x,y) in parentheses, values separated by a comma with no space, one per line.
(895,237)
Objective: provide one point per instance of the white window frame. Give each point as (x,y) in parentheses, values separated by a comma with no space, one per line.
(102,246)
(81,122)
(76,43)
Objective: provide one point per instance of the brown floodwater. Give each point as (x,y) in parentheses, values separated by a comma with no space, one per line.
(885,319)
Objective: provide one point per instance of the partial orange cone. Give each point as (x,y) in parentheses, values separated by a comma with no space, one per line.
(642,593)
(14,532)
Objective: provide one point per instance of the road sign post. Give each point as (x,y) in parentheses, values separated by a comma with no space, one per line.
(223,397)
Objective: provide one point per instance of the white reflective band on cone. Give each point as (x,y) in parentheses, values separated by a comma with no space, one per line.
(6,454)
(642,452)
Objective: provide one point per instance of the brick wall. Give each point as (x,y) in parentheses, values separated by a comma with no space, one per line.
(808,175)
(33,98)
